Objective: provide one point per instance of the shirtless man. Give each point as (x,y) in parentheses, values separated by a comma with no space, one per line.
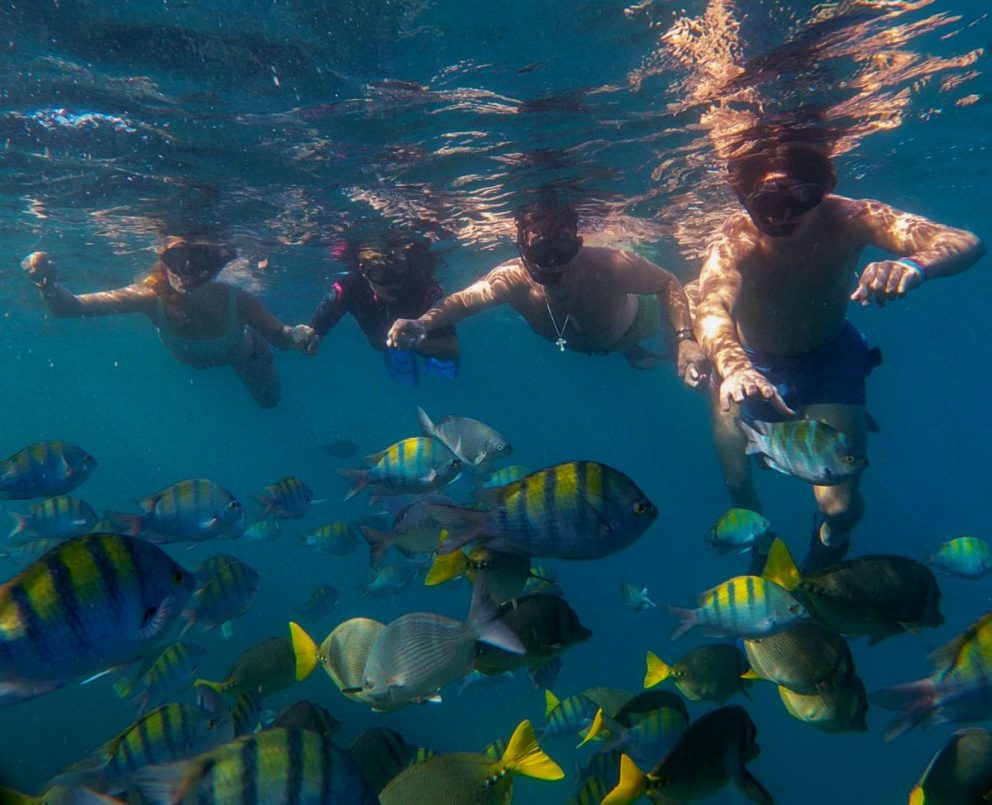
(771,315)
(583,298)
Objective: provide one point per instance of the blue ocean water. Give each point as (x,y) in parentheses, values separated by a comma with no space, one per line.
(291,121)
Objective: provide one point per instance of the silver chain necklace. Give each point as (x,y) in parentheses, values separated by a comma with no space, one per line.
(560,343)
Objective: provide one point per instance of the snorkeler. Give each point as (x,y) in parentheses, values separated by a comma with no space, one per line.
(774,290)
(201,322)
(584,298)
(388,278)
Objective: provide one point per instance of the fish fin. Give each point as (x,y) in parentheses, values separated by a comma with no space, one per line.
(495,495)
(523,755)
(96,676)
(463,525)
(211,699)
(753,434)
(916,702)
(156,622)
(754,790)
(131,523)
(687,620)
(21,524)
(305,651)
(217,686)
(379,542)
(166,784)
(550,702)
(596,728)
(433,699)
(427,427)
(374,458)
(658,670)
(917,797)
(871,424)
(632,786)
(359,480)
(484,622)
(750,673)
(446,567)
(227,629)
(780,567)
(189,615)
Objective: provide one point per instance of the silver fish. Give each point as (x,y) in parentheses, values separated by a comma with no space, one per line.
(474,442)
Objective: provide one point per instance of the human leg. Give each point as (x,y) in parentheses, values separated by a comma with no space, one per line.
(730,442)
(257,370)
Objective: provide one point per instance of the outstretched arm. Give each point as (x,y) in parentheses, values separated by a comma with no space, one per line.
(719,288)
(497,287)
(281,336)
(926,250)
(63,304)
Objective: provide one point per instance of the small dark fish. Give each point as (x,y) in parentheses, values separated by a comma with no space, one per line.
(287,497)
(170,674)
(341,448)
(321,602)
(227,594)
(44,469)
(413,530)
(307,715)
(636,598)
(710,673)
(381,754)
(264,668)
(332,539)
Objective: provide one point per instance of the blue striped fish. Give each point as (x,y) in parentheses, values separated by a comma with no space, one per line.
(335,539)
(168,733)
(91,604)
(809,449)
(569,716)
(275,767)
(44,469)
(287,497)
(171,673)
(227,593)
(576,510)
(410,467)
(744,606)
(61,517)
(192,510)
(967,557)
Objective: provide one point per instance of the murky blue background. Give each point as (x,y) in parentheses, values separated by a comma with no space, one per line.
(288,122)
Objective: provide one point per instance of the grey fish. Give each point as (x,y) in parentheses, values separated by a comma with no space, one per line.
(806,448)
(474,442)
(960,771)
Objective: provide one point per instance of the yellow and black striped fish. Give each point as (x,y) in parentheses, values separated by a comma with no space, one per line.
(95,602)
(44,469)
(575,510)
(409,467)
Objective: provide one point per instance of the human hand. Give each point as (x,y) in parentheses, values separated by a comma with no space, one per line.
(885,280)
(40,268)
(746,383)
(304,338)
(406,334)
(693,365)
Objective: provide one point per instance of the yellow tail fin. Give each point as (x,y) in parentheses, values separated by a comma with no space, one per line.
(658,670)
(445,568)
(597,727)
(632,786)
(781,567)
(524,756)
(305,649)
(550,702)
(917,797)
(217,686)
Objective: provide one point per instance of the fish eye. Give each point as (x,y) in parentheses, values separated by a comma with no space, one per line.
(849,459)
(178,576)
(233,505)
(640,508)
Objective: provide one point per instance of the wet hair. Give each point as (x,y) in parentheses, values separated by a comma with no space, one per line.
(422,261)
(803,162)
(547,214)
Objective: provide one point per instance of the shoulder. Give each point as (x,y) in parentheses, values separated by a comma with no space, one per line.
(858,218)
(733,243)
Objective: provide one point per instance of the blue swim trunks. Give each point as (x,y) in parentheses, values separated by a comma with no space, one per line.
(834,372)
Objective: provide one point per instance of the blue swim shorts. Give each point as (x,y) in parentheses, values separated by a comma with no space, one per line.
(834,372)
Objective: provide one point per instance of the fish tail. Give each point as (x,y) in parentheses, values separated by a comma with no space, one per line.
(268,503)
(753,435)
(780,567)
(426,426)
(359,480)
(306,651)
(658,670)
(687,620)
(378,541)
(754,790)
(916,702)
(632,786)
(484,622)
(167,783)
(463,525)
(21,525)
(130,522)
(523,755)
(446,567)
(217,686)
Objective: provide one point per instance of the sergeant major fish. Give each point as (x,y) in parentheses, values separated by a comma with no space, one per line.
(576,510)
(93,603)
(192,510)
(806,448)
(61,517)
(410,467)
(288,497)
(44,469)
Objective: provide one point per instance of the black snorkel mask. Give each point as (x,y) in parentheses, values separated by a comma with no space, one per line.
(192,264)
(546,258)
(776,204)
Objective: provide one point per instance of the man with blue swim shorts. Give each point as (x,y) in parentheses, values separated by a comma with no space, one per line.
(771,315)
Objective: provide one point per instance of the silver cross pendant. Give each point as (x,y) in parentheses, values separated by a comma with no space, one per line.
(560,343)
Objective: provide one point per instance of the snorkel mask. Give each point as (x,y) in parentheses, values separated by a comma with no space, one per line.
(777,204)
(193,264)
(546,257)
(387,270)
